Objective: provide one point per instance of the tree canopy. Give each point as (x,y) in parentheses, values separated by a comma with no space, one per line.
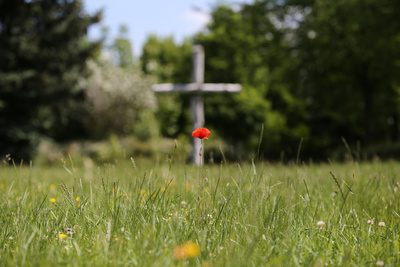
(43,51)
(311,70)
(349,54)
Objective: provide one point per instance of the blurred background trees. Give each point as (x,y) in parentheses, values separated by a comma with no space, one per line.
(42,53)
(311,70)
(169,63)
(318,71)
(349,70)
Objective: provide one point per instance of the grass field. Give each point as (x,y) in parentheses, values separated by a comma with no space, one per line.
(139,214)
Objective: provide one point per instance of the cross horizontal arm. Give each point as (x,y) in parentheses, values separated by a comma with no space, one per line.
(198,88)
(170,87)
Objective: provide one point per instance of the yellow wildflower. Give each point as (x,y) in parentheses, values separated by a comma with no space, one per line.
(52,186)
(62,236)
(77,198)
(186,251)
(53,200)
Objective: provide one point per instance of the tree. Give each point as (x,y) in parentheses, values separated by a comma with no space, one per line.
(244,46)
(122,48)
(241,46)
(328,68)
(166,60)
(42,53)
(349,69)
(169,62)
(310,69)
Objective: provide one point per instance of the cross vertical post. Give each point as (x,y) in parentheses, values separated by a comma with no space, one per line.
(197,104)
(197,88)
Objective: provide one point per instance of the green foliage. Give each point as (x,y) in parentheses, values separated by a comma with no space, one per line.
(311,70)
(169,62)
(136,213)
(168,114)
(348,73)
(122,48)
(238,118)
(246,47)
(147,127)
(232,55)
(42,55)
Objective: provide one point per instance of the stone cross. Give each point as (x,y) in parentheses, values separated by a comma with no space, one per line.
(197,88)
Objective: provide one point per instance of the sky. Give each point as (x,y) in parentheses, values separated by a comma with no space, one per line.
(179,18)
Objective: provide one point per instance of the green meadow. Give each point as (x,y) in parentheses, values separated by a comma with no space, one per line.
(136,213)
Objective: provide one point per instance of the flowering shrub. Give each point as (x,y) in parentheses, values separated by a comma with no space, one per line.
(116,98)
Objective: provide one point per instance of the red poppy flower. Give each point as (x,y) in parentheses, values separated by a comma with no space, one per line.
(201,133)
